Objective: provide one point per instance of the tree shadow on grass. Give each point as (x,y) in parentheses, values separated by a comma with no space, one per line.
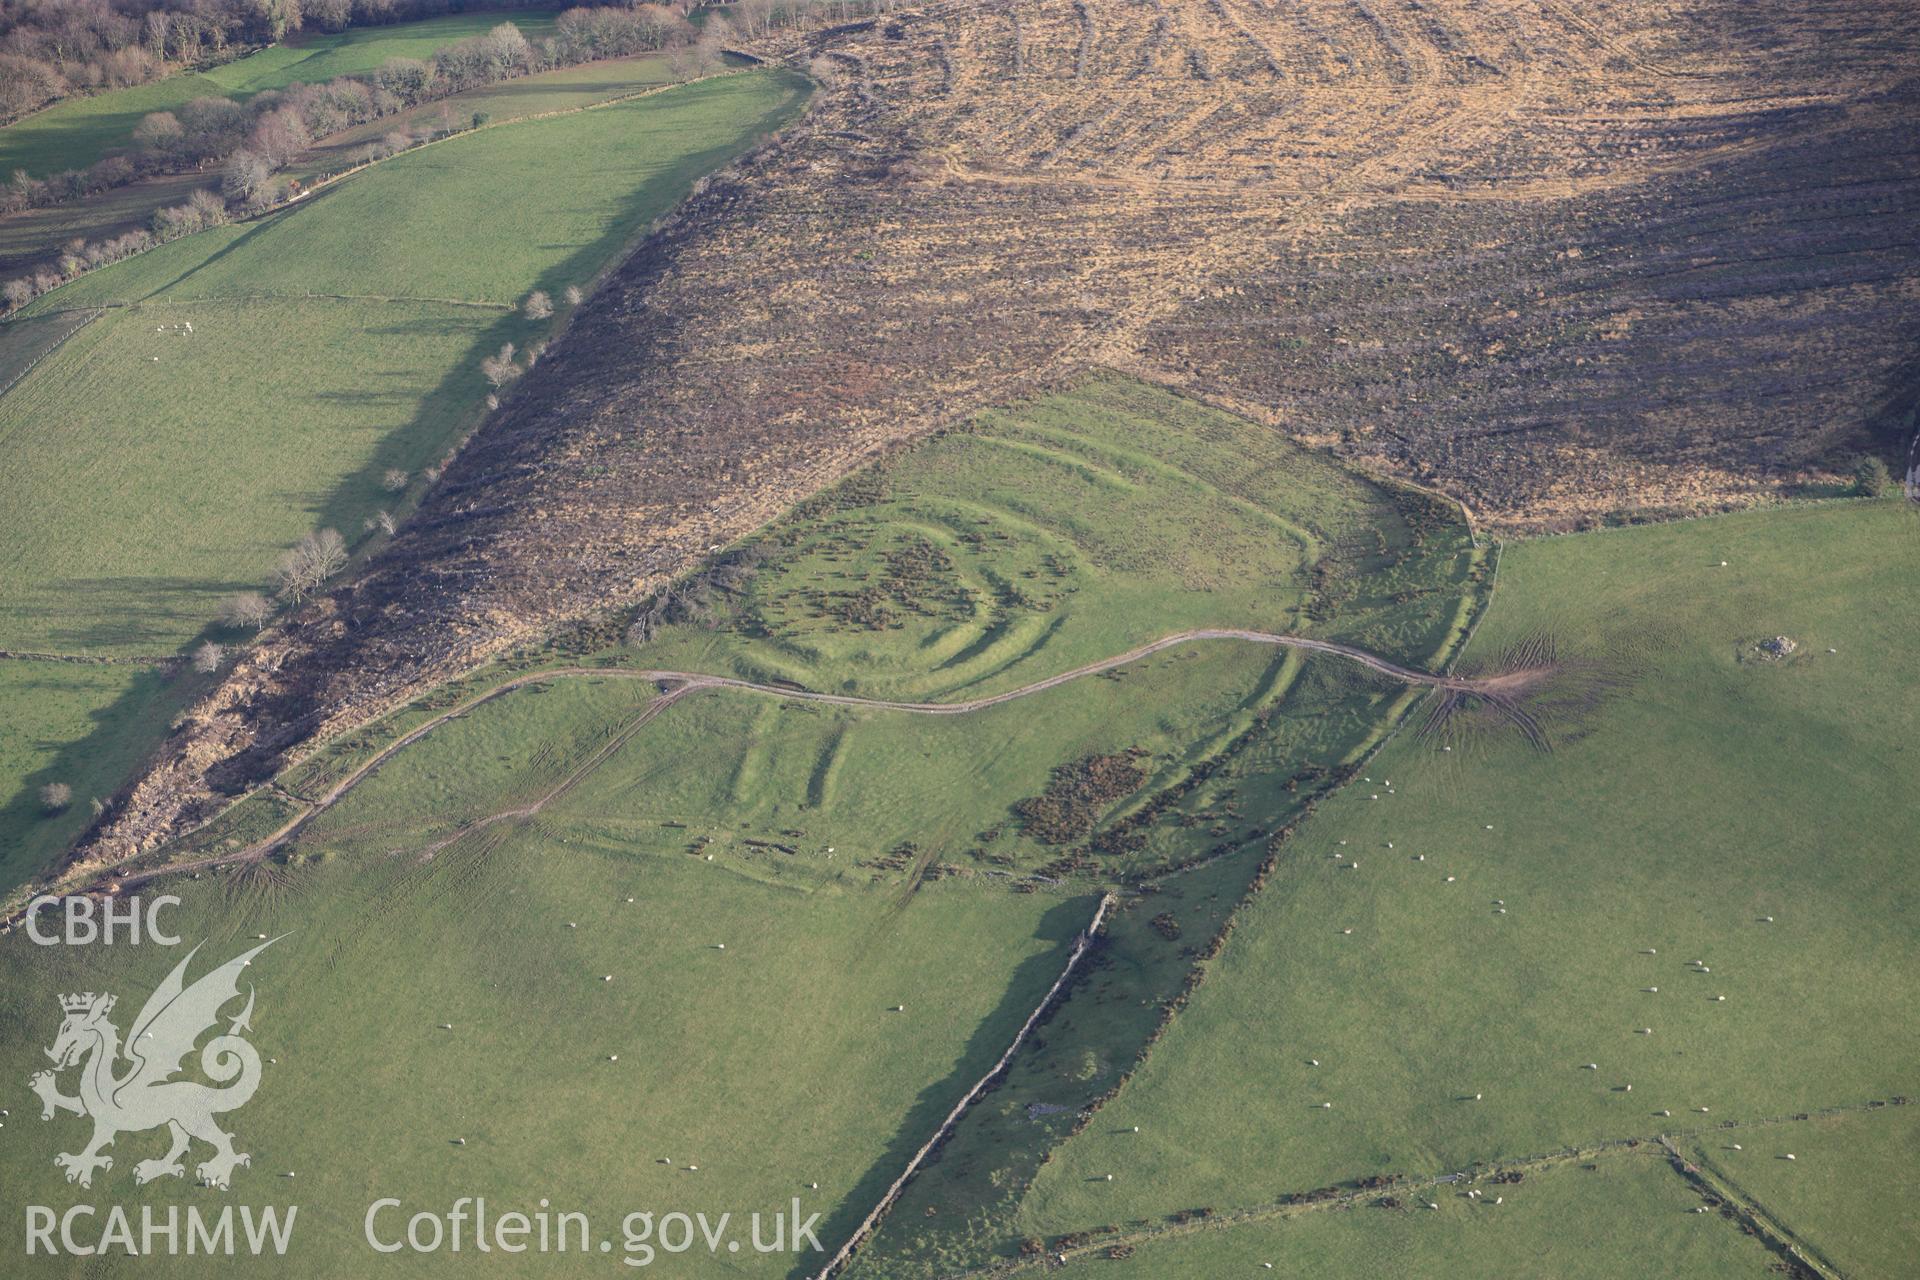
(125,730)
(1025,988)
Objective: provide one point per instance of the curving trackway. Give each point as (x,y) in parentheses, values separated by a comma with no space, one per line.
(681,683)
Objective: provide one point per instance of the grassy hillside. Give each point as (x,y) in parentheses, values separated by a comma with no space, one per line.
(1515,910)
(890,910)
(1075,528)
(1625,1214)
(75,133)
(1840,1194)
(772,1065)
(152,471)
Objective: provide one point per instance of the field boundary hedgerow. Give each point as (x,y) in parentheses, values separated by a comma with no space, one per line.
(326,183)
(88,316)
(1081,944)
(1319,1200)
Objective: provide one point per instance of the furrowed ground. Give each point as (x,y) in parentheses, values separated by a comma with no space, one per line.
(1534,931)
(852,858)
(1569,265)
(218,398)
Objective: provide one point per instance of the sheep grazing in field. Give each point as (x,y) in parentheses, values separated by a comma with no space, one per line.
(1591,1066)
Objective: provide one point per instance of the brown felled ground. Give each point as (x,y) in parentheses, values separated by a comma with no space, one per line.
(1566,262)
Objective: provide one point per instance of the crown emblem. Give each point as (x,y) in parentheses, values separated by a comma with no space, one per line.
(81,1003)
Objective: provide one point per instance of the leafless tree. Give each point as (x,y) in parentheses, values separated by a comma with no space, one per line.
(573,295)
(304,568)
(55,797)
(500,369)
(394,480)
(246,175)
(248,609)
(538,305)
(208,657)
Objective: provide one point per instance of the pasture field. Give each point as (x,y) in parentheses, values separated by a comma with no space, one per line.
(479,218)
(155,472)
(152,472)
(85,725)
(1520,914)
(27,238)
(313,57)
(563,89)
(1074,528)
(802,790)
(78,131)
(1618,1215)
(1846,1193)
(771,1065)
(865,857)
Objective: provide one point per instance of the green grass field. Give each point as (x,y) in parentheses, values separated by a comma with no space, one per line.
(151,472)
(84,725)
(1075,528)
(852,859)
(1846,1192)
(75,133)
(1702,790)
(565,89)
(771,1065)
(1626,1215)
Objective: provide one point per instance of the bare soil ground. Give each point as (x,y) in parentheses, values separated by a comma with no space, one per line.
(1560,261)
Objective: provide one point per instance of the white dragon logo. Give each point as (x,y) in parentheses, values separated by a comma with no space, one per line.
(146,1096)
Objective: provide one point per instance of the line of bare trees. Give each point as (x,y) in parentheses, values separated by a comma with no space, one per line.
(50,51)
